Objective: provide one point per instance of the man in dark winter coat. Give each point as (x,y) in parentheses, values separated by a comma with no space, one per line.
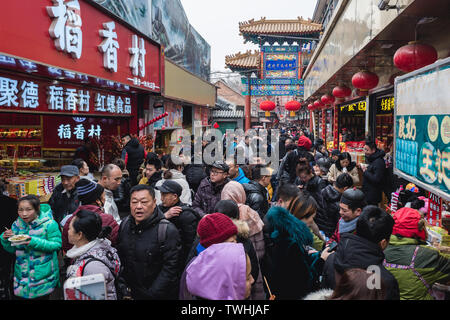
(181,215)
(364,250)
(210,189)
(194,173)
(328,218)
(153,171)
(133,153)
(301,153)
(374,175)
(64,199)
(150,263)
(256,190)
(311,185)
(351,205)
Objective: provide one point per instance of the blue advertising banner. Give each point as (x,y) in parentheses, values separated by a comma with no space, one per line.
(422,128)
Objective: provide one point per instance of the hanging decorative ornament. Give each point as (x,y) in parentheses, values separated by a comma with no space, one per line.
(318,105)
(216,126)
(341,92)
(414,56)
(310,107)
(293,106)
(328,100)
(267,106)
(365,81)
(163,128)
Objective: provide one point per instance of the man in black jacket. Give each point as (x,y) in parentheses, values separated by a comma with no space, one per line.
(181,215)
(364,250)
(133,153)
(153,171)
(328,218)
(149,248)
(374,175)
(64,199)
(256,192)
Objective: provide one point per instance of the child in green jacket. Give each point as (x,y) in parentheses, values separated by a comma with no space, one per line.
(36,270)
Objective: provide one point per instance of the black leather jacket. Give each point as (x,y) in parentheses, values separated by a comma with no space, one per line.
(257,197)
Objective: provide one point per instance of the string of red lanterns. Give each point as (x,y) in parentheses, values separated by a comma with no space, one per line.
(153,121)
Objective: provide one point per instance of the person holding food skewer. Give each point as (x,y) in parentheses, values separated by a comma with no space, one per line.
(35,239)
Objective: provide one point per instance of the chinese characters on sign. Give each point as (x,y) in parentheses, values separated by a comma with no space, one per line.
(23,94)
(354,107)
(387,104)
(109,46)
(423,157)
(65,131)
(66,26)
(66,31)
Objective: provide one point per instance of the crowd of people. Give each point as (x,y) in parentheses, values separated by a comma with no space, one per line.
(314,229)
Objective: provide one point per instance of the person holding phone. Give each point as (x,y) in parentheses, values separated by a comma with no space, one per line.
(364,250)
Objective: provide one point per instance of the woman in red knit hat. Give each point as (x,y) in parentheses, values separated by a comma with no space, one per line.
(415,265)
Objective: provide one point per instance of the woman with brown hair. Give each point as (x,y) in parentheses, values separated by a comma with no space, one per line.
(357,284)
(304,208)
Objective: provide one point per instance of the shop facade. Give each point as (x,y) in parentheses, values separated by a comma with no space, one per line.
(188,101)
(71,75)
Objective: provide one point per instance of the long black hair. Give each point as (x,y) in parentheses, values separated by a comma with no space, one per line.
(90,224)
(345,156)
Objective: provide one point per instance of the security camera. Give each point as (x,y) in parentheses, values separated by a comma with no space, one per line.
(384,5)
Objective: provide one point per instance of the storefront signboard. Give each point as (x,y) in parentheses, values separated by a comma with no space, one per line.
(79,37)
(422,128)
(30,95)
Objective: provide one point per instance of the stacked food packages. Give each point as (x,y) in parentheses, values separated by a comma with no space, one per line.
(439,238)
(40,185)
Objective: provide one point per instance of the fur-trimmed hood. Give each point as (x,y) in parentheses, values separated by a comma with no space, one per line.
(322,294)
(243,228)
(285,225)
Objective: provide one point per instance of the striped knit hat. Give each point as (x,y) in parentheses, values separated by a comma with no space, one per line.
(88,191)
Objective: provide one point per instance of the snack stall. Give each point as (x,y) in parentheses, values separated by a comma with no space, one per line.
(422,142)
(349,129)
(61,93)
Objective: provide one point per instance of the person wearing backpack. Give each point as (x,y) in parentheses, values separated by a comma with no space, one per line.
(92,252)
(180,214)
(149,248)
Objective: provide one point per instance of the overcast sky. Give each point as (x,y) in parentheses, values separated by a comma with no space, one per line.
(218,21)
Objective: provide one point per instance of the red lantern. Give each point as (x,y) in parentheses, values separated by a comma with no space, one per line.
(342,92)
(365,81)
(216,126)
(293,106)
(310,107)
(267,106)
(414,56)
(328,99)
(318,104)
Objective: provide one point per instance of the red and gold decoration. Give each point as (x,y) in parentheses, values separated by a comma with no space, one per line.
(341,92)
(318,104)
(414,56)
(328,99)
(267,106)
(365,81)
(153,121)
(293,106)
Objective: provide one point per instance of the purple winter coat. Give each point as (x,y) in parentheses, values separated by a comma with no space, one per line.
(219,273)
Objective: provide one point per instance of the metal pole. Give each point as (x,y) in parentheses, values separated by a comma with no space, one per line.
(248,105)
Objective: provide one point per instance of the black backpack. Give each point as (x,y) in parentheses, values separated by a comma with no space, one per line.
(123,292)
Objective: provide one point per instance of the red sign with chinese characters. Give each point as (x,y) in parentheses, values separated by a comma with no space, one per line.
(69,132)
(32,95)
(76,36)
(434,212)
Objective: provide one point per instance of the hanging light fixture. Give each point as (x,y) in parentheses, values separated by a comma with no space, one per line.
(414,56)
(293,106)
(267,106)
(364,81)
